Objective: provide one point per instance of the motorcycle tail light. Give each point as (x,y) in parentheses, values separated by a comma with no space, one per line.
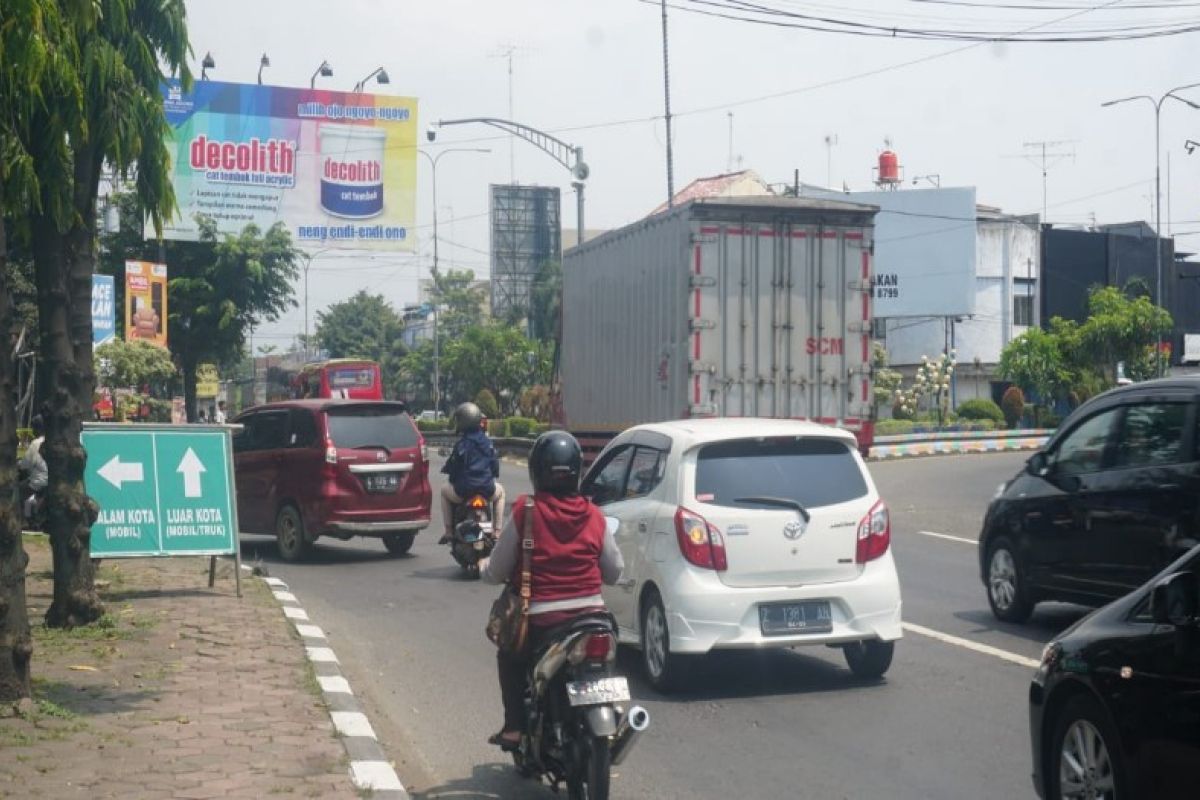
(478,502)
(593,648)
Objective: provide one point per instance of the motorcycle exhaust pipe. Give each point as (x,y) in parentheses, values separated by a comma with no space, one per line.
(635,721)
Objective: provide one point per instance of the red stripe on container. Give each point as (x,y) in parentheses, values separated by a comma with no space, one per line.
(866,347)
(866,305)
(854,236)
(829,235)
(866,265)
(799,234)
(696,304)
(710,229)
(766,233)
(853,420)
(696,390)
(866,391)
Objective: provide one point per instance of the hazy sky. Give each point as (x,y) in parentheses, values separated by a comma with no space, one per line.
(588,65)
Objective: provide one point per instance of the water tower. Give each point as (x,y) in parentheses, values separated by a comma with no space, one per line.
(888,173)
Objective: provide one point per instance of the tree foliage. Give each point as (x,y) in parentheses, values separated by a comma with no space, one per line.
(1034,361)
(123,365)
(364,326)
(545,302)
(462,303)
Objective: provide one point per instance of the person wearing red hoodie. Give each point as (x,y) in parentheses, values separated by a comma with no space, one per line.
(573,554)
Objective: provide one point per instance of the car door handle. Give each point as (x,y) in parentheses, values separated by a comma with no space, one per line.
(643,527)
(629,583)
(1169,487)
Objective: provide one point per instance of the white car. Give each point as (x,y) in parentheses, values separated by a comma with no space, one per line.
(743,534)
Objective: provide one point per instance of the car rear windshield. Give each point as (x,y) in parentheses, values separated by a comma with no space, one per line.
(371,426)
(811,472)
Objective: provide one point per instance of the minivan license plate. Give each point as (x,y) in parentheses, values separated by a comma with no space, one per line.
(602,690)
(382,483)
(786,619)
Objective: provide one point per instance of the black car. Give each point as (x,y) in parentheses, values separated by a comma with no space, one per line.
(1112,499)
(1114,710)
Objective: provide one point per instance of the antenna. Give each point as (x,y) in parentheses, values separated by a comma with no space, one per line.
(1046,155)
(729,160)
(507,51)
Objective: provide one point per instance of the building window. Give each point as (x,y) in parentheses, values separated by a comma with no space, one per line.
(1023,296)
(879,329)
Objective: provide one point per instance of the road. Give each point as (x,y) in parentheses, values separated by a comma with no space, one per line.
(948,721)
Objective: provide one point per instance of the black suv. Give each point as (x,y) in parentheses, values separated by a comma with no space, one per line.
(1114,709)
(1112,498)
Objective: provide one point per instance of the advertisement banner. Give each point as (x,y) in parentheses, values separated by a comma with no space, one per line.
(337,168)
(104,314)
(146,302)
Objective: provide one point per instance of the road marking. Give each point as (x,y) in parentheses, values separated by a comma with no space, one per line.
(334,683)
(352,723)
(274,582)
(949,538)
(967,644)
(291,612)
(286,597)
(377,776)
(322,654)
(310,631)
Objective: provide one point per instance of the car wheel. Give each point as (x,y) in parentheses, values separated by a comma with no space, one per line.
(289,533)
(398,543)
(1085,759)
(660,665)
(1007,592)
(869,659)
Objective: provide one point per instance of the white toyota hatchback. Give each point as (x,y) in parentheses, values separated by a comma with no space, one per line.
(747,533)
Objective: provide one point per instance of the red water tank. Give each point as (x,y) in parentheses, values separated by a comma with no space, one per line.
(889,167)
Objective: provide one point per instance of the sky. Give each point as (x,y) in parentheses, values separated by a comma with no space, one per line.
(591,72)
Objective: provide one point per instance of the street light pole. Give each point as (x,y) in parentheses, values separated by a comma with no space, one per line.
(1158,104)
(433,162)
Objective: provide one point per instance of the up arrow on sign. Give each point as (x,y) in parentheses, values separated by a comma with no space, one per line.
(117,473)
(192,468)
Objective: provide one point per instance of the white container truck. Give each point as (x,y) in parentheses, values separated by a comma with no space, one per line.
(732,307)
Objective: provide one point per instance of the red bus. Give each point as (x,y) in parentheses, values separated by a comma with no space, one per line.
(353,378)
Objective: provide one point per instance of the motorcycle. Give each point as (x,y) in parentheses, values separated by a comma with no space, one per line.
(578,724)
(474,534)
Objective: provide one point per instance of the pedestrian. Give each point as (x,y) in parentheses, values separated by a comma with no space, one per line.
(219,416)
(201,418)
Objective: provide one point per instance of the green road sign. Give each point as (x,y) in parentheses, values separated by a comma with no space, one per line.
(162,490)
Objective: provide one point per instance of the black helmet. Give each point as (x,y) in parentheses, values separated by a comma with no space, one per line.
(467,418)
(555,463)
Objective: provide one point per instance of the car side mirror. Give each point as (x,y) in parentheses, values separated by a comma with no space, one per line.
(1175,600)
(1038,465)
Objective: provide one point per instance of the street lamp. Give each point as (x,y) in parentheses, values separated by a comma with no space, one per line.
(1158,104)
(324,71)
(431,135)
(262,62)
(207,64)
(308,259)
(380,75)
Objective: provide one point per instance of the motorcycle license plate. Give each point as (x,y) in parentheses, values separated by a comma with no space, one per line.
(480,544)
(595,692)
(383,482)
(485,526)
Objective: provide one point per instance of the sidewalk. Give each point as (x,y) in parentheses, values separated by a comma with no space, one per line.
(181,691)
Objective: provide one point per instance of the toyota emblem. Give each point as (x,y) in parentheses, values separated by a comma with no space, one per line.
(793,530)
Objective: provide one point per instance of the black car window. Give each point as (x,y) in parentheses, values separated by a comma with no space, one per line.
(1083,449)
(645,472)
(606,484)
(270,431)
(369,425)
(1152,434)
(811,472)
(304,428)
(243,440)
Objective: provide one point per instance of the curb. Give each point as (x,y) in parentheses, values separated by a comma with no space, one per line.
(370,769)
(883,452)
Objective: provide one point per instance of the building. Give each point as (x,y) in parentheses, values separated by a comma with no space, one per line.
(746,183)
(418,324)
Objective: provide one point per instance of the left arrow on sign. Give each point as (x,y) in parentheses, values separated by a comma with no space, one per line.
(117,473)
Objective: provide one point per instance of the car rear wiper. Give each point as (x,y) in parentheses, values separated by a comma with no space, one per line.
(782,502)
(384,448)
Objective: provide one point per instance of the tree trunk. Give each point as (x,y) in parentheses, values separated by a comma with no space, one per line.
(70,512)
(16,646)
(81,251)
(188,367)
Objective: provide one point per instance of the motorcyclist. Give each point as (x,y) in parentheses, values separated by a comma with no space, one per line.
(472,469)
(33,465)
(573,552)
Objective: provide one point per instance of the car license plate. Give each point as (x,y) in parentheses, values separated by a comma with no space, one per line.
(601,690)
(786,619)
(383,482)
(480,544)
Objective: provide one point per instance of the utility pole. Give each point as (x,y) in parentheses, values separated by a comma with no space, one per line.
(667,103)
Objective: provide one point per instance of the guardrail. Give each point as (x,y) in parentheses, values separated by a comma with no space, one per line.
(908,445)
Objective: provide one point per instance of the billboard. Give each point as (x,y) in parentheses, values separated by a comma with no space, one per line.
(526,233)
(925,245)
(146,302)
(104,314)
(338,168)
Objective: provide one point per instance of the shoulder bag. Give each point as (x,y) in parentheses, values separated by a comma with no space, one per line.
(508,623)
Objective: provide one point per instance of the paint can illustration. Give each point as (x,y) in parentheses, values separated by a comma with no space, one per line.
(352,170)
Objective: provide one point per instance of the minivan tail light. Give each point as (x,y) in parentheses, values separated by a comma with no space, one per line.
(700,542)
(874,534)
(331,455)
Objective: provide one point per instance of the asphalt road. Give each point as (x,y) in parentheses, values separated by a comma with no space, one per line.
(948,721)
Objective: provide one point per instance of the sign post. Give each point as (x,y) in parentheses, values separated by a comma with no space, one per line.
(163,490)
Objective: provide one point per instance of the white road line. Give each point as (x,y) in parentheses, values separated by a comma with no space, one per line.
(286,597)
(949,538)
(310,631)
(275,582)
(376,776)
(352,723)
(335,684)
(291,612)
(967,644)
(321,654)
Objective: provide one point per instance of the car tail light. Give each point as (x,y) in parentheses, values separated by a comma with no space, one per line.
(699,541)
(424,449)
(331,456)
(874,534)
(593,648)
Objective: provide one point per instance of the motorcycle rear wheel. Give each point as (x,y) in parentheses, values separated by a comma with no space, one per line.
(590,781)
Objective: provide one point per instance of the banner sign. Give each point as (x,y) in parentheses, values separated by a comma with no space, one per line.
(104,314)
(146,302)
(338,168)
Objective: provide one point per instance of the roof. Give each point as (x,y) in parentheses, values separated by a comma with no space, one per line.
(746,183)
(692,432)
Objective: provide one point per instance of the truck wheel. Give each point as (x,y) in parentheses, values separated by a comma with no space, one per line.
(289,534)
(398,543)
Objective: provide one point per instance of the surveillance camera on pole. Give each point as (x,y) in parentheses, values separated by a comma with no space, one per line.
(431,133)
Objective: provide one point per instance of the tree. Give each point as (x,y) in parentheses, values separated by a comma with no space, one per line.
(1034,361)
(365,326)
(545,302)
(886,381)
(121,364)
(1123,329)
(462,303)
(498,358)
